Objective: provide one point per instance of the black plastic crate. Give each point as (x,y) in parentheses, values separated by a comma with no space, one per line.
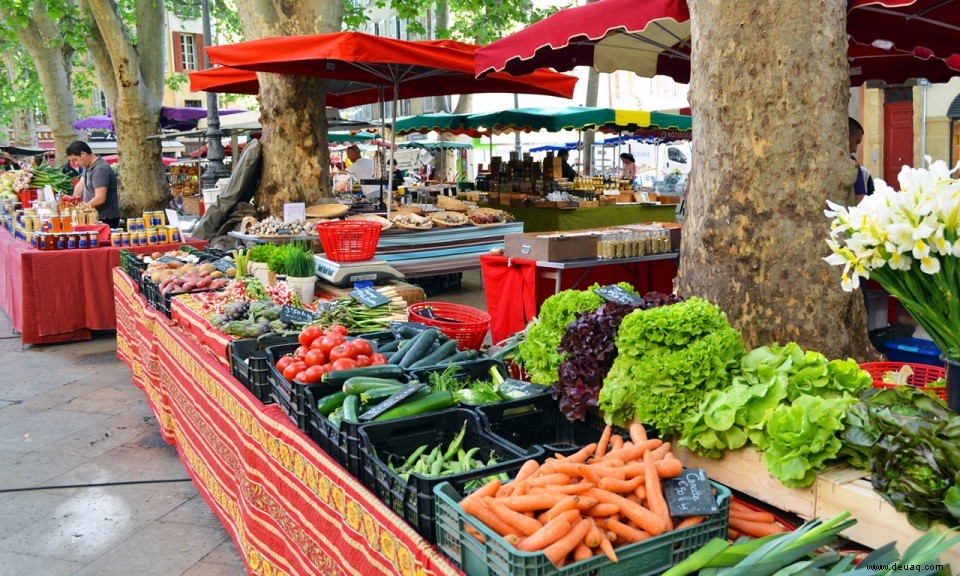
(341,441)
(133,266)
(379,338)
(413,499)
(249,364)
(537,421)
(478,369)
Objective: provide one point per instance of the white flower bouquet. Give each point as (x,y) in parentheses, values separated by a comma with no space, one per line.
(909,242)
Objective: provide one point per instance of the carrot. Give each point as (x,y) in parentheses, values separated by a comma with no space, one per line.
(604,440)
(605,509)
(610,536)
(488,489)
(547,535)
(582,552)
(616,441)
(577,488)
(557,551)
(535,490)
(645,519)
(624,532)
(619,486)
(513,539)
(638,433)
(478,509)
(690,521)
(752,515)
(556,478)
(634,452)
(607,547)
(614,463)
(661,452)
(592,539)
(528,469)
(755,529)
(582,455)
(733,534)
(568,503)
(565,467)
(586,471)
(531,501)
(609,471)
(655,500)
(586,503)
(473,532)
(522,524)
(634,498)
(641,492)
(738,504)
(669,467)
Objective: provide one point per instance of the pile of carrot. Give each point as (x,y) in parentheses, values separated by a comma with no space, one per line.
(748,521)
(607,495)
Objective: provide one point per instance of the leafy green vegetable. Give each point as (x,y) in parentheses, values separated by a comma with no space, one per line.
(668,358)
(910,441)
(262,252)
(538,351)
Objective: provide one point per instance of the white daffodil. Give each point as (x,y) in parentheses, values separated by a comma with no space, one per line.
(930,265)
(940,243)
(900,261)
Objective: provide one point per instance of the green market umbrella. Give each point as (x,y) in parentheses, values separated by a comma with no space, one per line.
(438,122)
(345,137)
(574,118)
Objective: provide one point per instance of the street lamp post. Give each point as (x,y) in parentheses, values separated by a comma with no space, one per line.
(215,153)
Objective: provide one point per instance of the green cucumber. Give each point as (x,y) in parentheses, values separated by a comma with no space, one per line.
(375,395)
(328,404)
(390,347)
(448,348)
(419,347)
(464,356)
(381,371)
(430,403)
(402,348)
(351,409)
(361,384)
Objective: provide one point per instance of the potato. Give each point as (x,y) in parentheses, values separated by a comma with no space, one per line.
(156,255)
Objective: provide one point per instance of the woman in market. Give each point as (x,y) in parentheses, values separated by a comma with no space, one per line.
(629,169)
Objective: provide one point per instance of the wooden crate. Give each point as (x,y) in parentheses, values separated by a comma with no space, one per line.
(411,294)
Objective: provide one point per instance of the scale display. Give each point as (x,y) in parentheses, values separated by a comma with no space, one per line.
(345,273)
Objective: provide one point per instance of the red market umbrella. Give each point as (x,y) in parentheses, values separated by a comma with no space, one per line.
(933,26)
(653,38)
(226,80)
(896,66)
(364,68)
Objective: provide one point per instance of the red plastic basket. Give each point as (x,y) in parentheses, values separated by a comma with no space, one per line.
(468,326)
(923,374)
(349,240)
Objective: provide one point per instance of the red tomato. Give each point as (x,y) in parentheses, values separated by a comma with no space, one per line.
(344,364)
(363,346)
(325,368)
(283,362)
(316,344)
(301,352)
(290,372)
(331,341)
(378,359)
(313,374)
(336,329)
(302,376)
(315,357)
(309,334)
(363,360)
(341,351)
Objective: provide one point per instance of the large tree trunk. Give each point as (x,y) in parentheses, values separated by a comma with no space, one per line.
(24,123)
(769,91)
(133,81)
(53,59)
(296,166)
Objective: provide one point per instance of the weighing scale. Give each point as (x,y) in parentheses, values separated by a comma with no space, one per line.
(346,273)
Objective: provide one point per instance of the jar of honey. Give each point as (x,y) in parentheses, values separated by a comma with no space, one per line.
(71,241)
(134,238)
(152,237)
(61,241)
(144,239)
(115,239)
(124,238)
(93,239)
(174,236)
(83,240)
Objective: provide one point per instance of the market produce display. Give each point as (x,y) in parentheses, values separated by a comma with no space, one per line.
(45,175)
(589,345)
(607,495)
(439,462)
(752,522)
(488,217)
(910,442)
(360,319)
(668,359)
(449,219)
(411,221)
(12,182)
(250,320)
(788,402)
(324,351)
(477,391)
(177,278)
(272,227)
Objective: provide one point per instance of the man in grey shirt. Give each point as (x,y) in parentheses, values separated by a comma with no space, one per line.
(98,186)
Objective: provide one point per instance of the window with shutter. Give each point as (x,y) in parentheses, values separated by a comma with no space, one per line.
(177,53)
(198,41)
(188,50)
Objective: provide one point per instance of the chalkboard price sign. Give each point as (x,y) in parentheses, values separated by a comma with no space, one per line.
(369,297)
(618,295)
(394,400)
(224,264)
(690,494)
(292,314)
(168,259)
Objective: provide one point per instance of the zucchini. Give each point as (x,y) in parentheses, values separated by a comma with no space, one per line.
(407,332)
(375,395)
(465,356)
(402,348)
(429,403)
(351,409)
(381,371)
(389,347)
(447,349)
(418,347)
(361,384)
(329,403)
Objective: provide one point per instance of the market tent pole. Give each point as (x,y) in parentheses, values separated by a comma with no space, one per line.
(383,135)
(393,145)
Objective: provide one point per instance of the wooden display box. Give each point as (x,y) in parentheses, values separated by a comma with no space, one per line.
(625,198)
(551,247)
(669,199)
(411,294)
(589,204)
(558,205)
(608,200)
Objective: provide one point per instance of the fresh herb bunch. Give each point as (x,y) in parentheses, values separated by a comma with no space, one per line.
(262,253)
(298,261)
(277,260)
(911,442)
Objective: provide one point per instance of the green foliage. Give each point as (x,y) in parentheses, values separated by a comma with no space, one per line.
(175,81)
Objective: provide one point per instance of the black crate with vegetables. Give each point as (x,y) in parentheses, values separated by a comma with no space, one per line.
(249,363)
(477,382)
(405,459)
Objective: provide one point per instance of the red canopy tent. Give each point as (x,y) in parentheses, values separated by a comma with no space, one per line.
(653,38)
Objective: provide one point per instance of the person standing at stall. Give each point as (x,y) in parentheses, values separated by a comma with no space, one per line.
(863,186)
(566,170)
(629,169)
(98,186)
(361,169)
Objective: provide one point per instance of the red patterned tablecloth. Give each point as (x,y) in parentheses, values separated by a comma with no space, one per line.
(60,296)
(288,506)
(185,311)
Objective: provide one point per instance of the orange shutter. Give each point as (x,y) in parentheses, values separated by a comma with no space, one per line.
(177,53)
(198,42)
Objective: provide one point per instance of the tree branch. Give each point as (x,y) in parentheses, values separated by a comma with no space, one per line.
(103,65)
(117,42)
(151,44)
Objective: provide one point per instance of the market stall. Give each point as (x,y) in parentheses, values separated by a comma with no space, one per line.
(551,219)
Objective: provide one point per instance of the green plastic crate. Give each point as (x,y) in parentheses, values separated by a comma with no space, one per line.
(495,557)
